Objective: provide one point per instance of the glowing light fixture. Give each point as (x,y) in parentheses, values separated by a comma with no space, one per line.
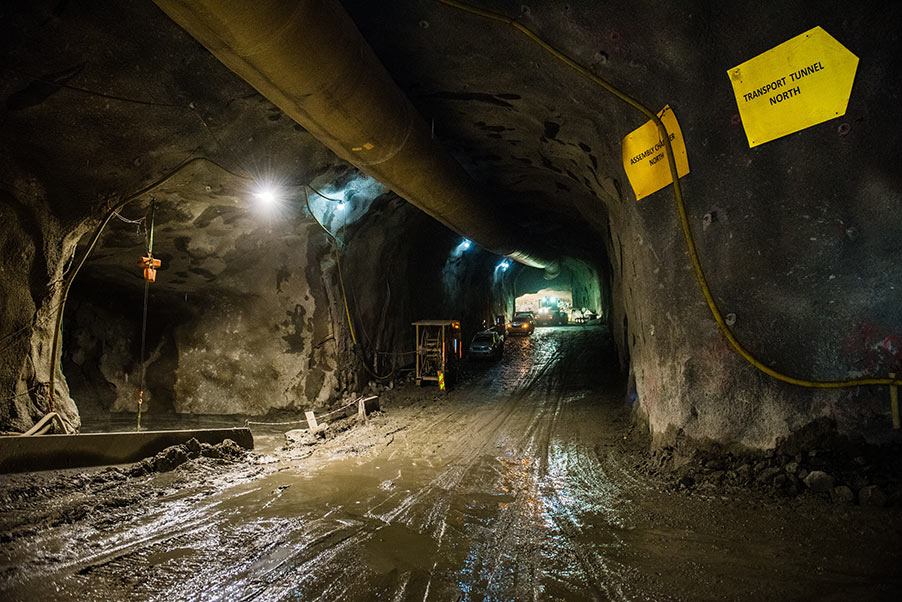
(462,247)
(340,206)
(504,264)
(267,195)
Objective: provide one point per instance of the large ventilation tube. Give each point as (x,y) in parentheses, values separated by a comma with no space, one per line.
(308,58)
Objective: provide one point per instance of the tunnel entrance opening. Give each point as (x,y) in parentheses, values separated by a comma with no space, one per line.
(551,307)
(576,295)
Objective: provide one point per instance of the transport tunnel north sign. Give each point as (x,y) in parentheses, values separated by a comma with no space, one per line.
(644,158)
(802,82)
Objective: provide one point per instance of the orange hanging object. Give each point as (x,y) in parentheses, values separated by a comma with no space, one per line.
(150,266)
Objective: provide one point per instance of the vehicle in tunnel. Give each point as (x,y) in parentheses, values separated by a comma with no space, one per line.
(552,312)
(487,344)
(523,323)
(551,317)
(718,419)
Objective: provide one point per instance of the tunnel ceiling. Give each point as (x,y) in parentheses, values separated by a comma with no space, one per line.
(546,142)
(518,121)
(104,98)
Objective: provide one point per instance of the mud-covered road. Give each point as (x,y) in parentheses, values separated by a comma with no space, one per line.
(518,485)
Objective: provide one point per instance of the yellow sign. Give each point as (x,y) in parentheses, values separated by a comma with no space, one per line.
(644,158)
(441,380)
(802,82)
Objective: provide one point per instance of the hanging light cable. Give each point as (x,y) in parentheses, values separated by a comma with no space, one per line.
(150,266)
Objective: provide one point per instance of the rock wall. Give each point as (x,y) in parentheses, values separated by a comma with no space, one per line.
(798,252)
(267,330)
(799,237)
(35,246)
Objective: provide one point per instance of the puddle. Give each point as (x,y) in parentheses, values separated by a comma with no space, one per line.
(399,548)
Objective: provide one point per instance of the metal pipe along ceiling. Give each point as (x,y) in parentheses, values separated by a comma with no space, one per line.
(308,58)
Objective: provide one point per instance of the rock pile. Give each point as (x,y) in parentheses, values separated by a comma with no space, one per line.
(814,461)
(173,457)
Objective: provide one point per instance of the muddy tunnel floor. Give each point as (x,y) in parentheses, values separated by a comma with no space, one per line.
(520,484)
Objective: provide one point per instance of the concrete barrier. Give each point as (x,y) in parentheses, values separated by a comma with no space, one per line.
(45,452)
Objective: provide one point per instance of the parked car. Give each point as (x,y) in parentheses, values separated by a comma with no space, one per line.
(524,322)
(487,344)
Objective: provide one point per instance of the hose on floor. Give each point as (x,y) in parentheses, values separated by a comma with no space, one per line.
(680,207)
(43,426)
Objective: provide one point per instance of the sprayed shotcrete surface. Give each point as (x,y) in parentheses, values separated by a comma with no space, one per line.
(520,484)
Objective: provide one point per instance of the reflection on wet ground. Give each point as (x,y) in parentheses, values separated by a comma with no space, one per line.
(516,486)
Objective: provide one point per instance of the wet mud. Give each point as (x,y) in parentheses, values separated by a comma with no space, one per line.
(520,484)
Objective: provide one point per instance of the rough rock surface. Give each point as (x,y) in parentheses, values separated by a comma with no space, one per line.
(799,250)
(872,495)
(247,315)
(800,253)
(176,455)
(818,481)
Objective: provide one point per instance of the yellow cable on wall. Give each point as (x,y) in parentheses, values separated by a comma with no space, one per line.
(680,207)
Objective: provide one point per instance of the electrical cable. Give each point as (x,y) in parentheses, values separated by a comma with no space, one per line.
(694,259)
(147,103)
(321,195)
(341,282)
(42,426)
(25,393)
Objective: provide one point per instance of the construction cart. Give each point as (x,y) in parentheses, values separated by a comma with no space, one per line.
(439,351)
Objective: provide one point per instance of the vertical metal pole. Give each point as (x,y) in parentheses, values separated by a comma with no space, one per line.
(153,212)
(153,215)
(894,403)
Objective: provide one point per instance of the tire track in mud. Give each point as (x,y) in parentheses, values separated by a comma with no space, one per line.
(519,517)
(427,509)
(307,562)
(516,540)
(309,558)
(603,577)
(83,546)
(484,439)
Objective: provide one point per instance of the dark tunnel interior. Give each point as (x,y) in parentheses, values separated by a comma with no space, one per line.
(450,299)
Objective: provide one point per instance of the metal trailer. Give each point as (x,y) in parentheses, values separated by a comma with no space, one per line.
(439,351)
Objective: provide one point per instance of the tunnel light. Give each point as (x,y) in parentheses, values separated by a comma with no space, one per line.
(340,206)
(462,247)
(267,196)
(504,265)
